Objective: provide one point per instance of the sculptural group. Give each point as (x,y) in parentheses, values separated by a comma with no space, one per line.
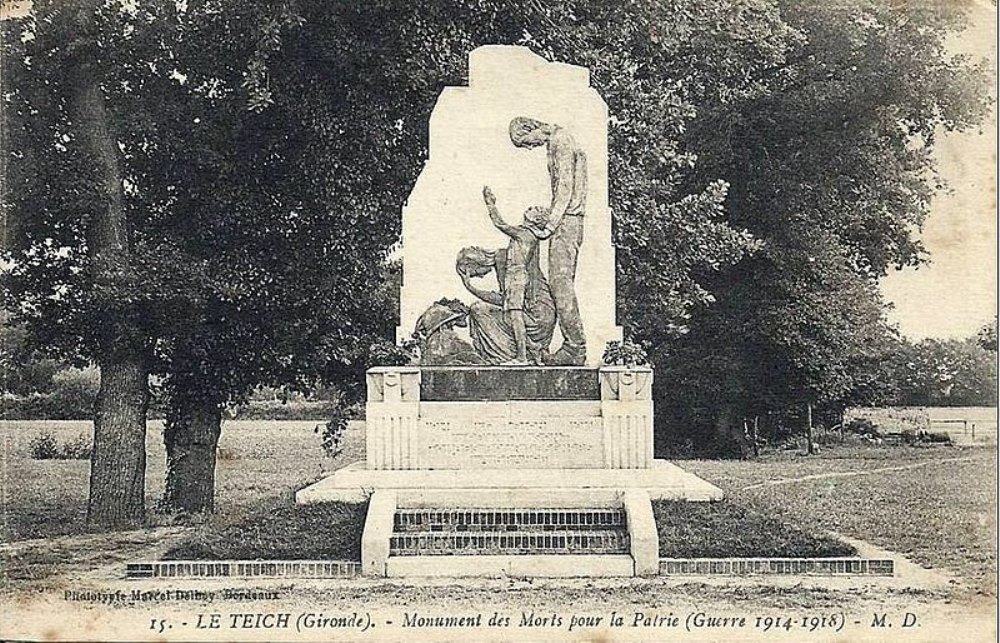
(514,324)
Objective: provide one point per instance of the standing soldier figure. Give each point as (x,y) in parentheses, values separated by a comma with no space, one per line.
(568,174)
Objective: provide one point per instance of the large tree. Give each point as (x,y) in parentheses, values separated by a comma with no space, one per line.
(66,201)
(338,115)
(831,167)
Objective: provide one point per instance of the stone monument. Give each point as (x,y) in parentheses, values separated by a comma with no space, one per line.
(495,454)
(470,147)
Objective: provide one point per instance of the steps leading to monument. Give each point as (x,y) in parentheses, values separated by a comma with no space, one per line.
(449,532)
(433,519)
(613,538)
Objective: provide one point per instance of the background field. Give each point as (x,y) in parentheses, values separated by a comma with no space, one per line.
(935,504)
(260,462)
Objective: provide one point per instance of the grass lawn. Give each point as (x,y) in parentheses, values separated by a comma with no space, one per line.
(728,530)
(325,531)
(936,504)
(261,464)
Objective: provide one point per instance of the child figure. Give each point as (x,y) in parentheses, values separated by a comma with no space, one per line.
(521,257)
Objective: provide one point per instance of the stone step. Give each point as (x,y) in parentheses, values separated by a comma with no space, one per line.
(526,542)
(504,489)
(540,565)
(509,520)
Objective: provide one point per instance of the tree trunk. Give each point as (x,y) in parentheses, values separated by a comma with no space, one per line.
(118,463)
(809,428)
(191,436)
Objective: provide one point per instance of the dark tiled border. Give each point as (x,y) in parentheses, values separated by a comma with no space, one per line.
(567,542)
(243,569)
(777,566)
(880,567)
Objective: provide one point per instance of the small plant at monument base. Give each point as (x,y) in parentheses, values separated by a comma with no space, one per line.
(625,353)
(388,354)
(332,431)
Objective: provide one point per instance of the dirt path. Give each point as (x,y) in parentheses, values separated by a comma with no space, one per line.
(51,561)
(851,474)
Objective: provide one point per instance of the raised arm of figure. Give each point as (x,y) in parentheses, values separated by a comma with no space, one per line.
(491,207)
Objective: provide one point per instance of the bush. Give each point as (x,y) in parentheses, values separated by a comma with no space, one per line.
(334,429)
(43,447)
(933,438)
(863,426)
(46,447)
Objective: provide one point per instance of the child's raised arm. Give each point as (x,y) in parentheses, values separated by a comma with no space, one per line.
(491,206)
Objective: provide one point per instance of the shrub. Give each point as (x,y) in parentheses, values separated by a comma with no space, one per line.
(933,438)
(334,429)
(79,448)
(43,447)
(863,426)
(46,447)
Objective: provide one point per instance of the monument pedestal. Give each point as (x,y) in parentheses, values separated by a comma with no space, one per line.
(523,470)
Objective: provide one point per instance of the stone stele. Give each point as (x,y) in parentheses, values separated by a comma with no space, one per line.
(470,147)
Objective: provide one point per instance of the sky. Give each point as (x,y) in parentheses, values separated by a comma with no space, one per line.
(956,294)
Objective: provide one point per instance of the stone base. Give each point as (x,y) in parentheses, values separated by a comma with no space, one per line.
(551,566)
(439,490)
(524,488)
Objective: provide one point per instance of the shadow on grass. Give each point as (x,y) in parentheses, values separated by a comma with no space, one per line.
(324,531)
(727,530)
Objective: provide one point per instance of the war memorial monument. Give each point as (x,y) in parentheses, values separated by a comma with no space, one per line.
(510,447)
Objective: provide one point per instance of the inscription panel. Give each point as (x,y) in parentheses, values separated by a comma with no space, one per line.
(511,443)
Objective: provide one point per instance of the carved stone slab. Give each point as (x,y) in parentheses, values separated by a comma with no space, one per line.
(456,384)
(509,418)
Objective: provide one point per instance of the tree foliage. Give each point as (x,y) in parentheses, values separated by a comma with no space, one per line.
(936,372)
(830,166)
(768,163)
(987,336)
